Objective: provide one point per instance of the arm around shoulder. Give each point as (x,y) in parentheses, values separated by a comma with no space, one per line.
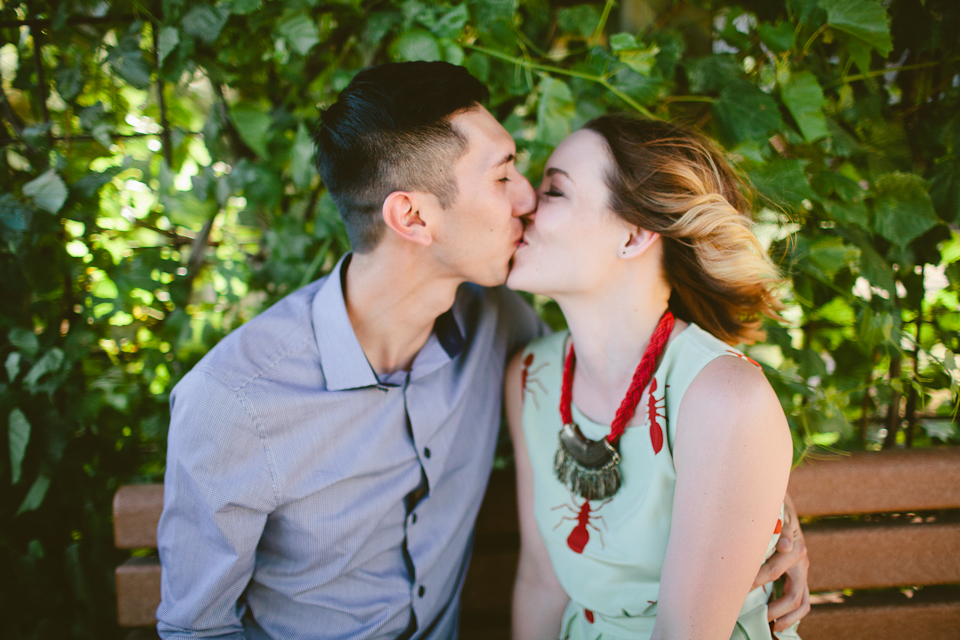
(538,598)
(732,456)
(218,491)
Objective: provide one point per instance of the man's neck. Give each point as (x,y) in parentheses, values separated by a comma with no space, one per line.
(393,297)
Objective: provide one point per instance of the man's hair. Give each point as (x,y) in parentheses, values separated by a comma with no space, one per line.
(390,130)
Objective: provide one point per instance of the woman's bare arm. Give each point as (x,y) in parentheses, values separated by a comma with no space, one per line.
(732,455)
(538,598)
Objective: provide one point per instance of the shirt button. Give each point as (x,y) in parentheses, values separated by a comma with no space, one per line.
(422,591)
(414,518)
(426,452)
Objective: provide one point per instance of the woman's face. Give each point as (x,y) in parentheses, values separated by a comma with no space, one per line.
(571,242)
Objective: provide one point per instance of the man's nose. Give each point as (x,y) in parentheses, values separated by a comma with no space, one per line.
(524,198)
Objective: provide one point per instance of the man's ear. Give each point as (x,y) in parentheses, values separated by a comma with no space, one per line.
(401,213)
(636,242)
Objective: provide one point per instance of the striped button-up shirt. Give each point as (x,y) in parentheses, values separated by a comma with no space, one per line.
(306,498)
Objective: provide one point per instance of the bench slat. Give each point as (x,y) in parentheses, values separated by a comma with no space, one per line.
(904,480)
(923,618)
(879,555)
(136,512)
(138,592)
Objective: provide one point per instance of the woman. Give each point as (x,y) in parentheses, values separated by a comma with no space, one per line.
(647,502)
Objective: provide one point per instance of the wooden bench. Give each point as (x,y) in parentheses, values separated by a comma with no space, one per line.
(878,521)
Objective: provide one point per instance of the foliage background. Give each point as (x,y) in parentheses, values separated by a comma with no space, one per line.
(158,191)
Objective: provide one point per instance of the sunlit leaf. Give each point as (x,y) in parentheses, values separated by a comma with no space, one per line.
(904,211)
(167,42)
(47,191)
(253,125)
(639,58)
(12,365)
(864,19)
(19,430)
(205,22)
(301,158)
(804,98)
(554,112)
(300,31)
(24,340)
(38,491)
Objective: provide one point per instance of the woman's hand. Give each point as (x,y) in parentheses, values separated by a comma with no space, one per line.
(790,559)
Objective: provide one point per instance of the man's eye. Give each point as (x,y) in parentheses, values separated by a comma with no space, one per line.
(504,180)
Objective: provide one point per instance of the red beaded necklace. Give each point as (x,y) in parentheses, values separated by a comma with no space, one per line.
(591,468)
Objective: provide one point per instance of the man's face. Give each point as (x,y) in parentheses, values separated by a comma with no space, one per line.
(475,238)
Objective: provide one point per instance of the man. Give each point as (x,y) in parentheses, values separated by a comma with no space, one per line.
(327,460)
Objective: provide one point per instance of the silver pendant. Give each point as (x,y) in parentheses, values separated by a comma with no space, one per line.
(588,468)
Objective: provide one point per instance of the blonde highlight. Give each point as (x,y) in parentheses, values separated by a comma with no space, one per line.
(674,181)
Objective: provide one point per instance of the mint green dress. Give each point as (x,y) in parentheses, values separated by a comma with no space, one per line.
(608,555)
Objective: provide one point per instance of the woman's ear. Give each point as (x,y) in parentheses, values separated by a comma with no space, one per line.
(401,214)
(636,242)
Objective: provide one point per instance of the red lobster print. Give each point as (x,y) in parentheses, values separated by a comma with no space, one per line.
(743,357)
(526,376)
(583,515)
(653,412)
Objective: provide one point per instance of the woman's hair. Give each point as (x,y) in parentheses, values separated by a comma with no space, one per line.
(672,180)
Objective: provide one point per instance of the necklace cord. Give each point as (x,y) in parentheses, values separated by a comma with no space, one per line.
(641,377)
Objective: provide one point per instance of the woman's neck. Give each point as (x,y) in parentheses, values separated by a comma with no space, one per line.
(610,331)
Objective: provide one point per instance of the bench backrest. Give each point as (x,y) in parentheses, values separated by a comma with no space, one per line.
(868,549)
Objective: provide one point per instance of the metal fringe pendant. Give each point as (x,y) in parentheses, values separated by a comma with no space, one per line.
(589,468)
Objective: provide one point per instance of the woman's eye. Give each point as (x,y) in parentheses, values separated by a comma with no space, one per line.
(553,193)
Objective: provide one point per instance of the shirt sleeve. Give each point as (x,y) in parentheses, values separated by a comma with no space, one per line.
(520,321)
(218,492)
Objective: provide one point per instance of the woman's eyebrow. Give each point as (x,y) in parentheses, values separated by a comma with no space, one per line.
(554,170)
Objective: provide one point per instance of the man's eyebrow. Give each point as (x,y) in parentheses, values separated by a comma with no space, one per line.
(554,170)
(507,158)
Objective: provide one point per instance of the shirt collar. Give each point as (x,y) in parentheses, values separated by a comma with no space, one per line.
(342,359)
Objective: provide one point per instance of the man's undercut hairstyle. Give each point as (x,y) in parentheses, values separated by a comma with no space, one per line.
(390,130)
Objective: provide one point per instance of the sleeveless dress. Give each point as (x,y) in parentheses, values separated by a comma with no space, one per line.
(608,554)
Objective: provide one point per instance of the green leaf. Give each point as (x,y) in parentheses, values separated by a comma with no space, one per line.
(486,12)
(14,221)
(945,190)
(127,59)
(47,191)
(582,20)
(167,42)
(49,362)
(875,269)
(69,82)
(555,110)
(903,208)
(744,112)
(24,340)
(631,53)
(804,98)
(779,38)
(301,158)
(864,19)
(252,124)
(415,44)
(452,23)
(300,31)
(19,436)
(12,365)
(35,496)
(783,181)
(242,7)
(205,21)
(711,73)
(831,253)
